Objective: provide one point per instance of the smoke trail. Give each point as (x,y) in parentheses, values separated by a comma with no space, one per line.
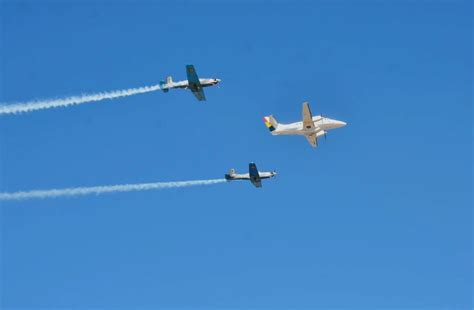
(64,102)
(80,191)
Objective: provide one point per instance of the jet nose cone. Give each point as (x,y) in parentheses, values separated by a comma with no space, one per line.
(217,81)
(341,123)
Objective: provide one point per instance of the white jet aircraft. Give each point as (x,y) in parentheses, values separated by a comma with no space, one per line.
(194,83)
(311,127)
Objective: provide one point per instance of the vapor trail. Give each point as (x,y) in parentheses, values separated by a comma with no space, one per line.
(80,191)
(30,106)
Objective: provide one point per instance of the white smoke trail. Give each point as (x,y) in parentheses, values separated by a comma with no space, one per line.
(80,191)
(64,102)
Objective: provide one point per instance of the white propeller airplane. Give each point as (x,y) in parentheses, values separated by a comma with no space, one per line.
(253,176)
(312,127)
(194,83)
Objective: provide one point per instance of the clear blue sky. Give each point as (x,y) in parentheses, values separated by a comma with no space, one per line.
(379,216)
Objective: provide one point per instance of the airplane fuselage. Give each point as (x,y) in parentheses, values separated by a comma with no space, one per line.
(253,176)
(193,83)
(321,125)
(185,83)
(246,176)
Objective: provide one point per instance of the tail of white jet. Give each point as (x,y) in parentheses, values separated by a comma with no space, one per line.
(312,127)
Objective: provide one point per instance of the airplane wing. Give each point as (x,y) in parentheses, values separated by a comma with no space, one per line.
(199,93)
(194,83)
(192,75)
(253,171)
(254,176)
(257,184)
(307,117)
(312,139)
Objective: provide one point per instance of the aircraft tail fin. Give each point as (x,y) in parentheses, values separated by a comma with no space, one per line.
(229,175)
(270,122)
(164,85)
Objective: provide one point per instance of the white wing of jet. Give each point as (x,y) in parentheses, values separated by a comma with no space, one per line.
(312,139)
(308,123)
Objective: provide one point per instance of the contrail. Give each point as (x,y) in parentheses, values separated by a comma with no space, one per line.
(80,191)
(31,106)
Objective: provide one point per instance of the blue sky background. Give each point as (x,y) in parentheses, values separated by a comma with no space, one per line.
(379,216)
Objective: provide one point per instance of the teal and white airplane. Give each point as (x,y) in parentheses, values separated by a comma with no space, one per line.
(194,83)
(253,176)
(312,127)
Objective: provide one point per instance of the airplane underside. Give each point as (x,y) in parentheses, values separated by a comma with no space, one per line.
(296,132)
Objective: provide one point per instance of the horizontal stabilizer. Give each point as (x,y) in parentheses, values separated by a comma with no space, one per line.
(164,87)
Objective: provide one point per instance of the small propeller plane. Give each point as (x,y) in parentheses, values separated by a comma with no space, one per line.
(311,127)
(254,175)
(194,83)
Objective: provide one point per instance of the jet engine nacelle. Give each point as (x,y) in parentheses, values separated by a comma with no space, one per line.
(320,133)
